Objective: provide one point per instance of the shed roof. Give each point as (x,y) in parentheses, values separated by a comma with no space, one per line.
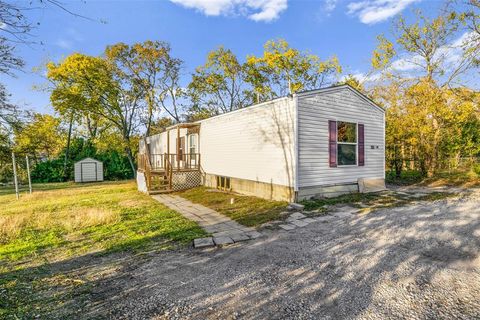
(88,159)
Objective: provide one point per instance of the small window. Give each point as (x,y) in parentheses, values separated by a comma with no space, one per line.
(346,143)
(223,183)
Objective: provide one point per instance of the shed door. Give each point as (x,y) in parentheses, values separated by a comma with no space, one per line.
(88,171)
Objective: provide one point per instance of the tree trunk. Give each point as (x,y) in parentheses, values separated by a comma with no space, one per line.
(128,150)
(67,150)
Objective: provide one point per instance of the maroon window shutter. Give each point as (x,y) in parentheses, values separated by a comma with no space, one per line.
(332,143)
(361,145)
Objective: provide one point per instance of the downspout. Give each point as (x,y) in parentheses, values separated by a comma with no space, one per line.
(295,148)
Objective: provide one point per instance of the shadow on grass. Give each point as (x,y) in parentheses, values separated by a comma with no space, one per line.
(60,289)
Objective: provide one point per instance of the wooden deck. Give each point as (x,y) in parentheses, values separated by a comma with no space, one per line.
(170,172)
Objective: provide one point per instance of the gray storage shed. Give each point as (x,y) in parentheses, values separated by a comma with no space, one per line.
(88,170)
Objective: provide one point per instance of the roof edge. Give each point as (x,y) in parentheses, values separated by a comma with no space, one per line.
(334,88)
(252,106)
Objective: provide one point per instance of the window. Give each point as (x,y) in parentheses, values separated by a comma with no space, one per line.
(346,143)
(192,143)
(223,183)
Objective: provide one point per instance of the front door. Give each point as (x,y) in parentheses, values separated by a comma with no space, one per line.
(180,151)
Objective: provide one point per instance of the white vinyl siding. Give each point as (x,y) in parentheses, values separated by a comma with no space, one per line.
(338,104)
(255,143)
(158,142)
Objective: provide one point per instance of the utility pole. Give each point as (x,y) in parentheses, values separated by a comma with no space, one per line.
(28,173)
(15,180)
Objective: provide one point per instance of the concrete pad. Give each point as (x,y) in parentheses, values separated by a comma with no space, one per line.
(287,226)
(296,216)
(219,241)
(254,234)
(342,214)
(296,206)
(213,228)
(227,233)
(237,237)
(203,242)
(325,218)
(309,220)
(366,185)
(299,223)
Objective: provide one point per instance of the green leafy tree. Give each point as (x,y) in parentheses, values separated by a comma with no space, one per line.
(98,85)
(423,49)
(218,86)
(42,137)
(160,125)
(153,68)
(284,70)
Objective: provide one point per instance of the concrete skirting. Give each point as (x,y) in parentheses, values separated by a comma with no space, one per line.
(326,191)
(371,185)
(259,189)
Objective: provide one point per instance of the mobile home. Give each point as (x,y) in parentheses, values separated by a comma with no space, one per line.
(314,143)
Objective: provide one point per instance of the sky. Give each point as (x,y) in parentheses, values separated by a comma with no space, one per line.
(345,28)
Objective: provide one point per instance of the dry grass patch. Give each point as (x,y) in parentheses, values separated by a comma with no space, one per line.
(89,217)
(11,226)
(132,203)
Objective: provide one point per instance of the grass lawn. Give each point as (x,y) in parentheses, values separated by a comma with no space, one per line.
(247,210)
(65,222)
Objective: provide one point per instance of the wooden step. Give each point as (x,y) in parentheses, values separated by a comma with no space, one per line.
(159,183)
(158,173)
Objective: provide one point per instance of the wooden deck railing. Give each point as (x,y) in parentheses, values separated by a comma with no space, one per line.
(177,162)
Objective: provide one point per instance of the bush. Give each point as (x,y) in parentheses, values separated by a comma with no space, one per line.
(115,165)
(476,169)
(406,177)
(48,171)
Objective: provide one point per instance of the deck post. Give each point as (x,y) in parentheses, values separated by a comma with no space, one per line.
(168,141)
(178,148)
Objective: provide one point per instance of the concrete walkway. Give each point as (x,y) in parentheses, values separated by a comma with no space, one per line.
(223,229)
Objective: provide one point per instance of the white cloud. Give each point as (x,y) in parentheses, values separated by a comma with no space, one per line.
(64,44)
(465,39)
(256,10)
(329,5)
(407,63)
(374,11)
(3,25)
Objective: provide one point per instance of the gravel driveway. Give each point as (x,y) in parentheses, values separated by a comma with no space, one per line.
(420,261)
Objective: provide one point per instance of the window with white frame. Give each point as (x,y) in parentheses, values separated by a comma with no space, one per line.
(346,143)
(193,143)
